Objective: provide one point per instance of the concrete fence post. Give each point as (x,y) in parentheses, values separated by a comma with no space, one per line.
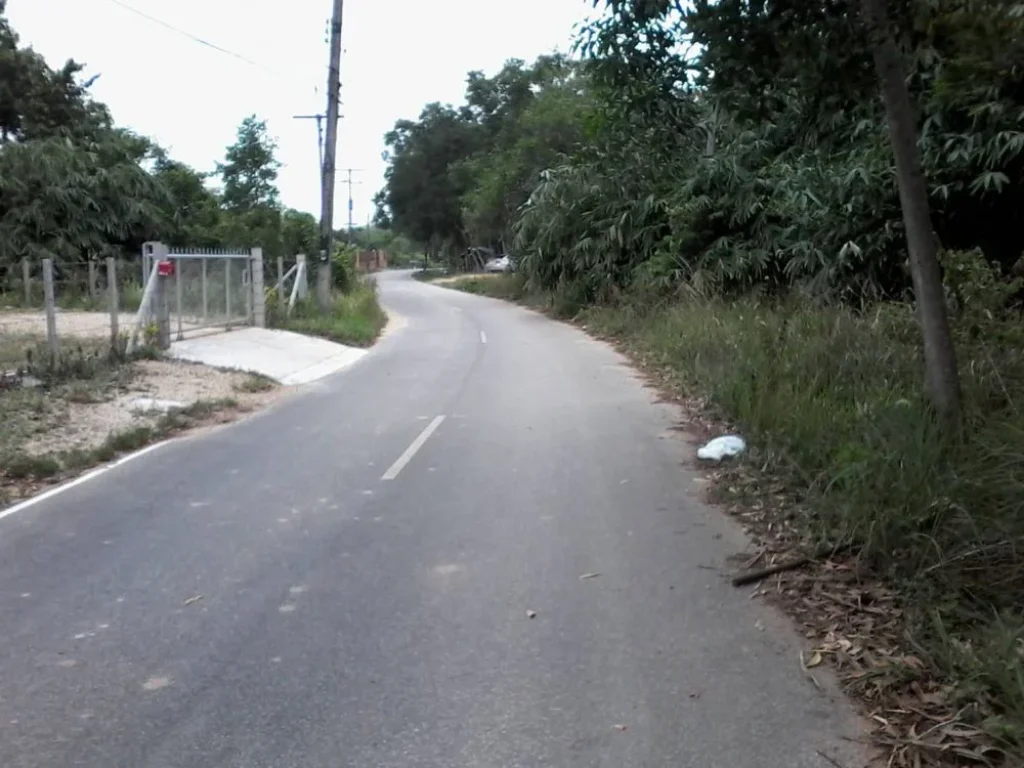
(178,263)
(162,305)
(50,305)
(301,276)
(227,291)
(206,303)
(259,297)
(26,279)
(92,278)
(112,303)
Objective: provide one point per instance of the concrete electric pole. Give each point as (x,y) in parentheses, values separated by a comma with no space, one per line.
(319,140)
(323,275)
(349,172)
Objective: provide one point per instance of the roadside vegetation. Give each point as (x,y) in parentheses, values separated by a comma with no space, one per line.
(83,409)
(77,188)
(355,317)
(717,191)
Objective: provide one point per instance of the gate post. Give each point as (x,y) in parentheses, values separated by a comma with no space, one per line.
(162,307)
(259,298)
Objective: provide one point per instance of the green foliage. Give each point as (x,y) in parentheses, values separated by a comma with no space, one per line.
(343,266)
(68,201)
(832,402)
(401,250)
(355,317)
(74,187)
(774,173)
(24,467)
(300,233)
(457,177)
(37,102)
(250,170)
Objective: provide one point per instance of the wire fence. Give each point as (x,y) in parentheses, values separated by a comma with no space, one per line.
(51,314)
(49,310)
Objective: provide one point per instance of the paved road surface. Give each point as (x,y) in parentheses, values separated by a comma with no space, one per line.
(366,604)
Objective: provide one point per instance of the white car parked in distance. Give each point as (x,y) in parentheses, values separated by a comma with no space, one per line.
(501,264)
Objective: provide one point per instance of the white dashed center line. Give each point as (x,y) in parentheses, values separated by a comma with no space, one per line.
(406,457)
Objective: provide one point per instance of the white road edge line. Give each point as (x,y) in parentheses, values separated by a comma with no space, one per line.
(406,457)
(91,475)
(483,337)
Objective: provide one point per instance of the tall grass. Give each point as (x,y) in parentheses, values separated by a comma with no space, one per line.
(355,317)
(831,400)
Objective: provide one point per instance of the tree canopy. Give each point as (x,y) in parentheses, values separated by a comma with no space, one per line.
(457,176)
(727,144)
(75,186)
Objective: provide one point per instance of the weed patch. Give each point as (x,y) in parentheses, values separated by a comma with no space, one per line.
(355,318)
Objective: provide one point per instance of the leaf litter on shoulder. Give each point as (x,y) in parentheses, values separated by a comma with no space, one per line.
(851,621)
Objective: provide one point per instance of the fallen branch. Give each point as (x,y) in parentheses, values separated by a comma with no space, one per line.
(763,573)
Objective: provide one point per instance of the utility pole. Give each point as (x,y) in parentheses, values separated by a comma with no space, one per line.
(349,172)
(323,275)
(319,140)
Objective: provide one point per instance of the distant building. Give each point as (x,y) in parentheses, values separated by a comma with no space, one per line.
(371,261)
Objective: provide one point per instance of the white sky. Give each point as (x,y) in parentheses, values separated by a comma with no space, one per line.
(398,56)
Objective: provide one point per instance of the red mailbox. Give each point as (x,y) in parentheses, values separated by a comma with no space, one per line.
(165,268)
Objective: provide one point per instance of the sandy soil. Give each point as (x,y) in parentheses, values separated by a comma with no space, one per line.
(87,424)
(82,325)
(396,322)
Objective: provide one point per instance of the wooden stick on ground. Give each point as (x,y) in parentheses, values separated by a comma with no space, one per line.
(762,573)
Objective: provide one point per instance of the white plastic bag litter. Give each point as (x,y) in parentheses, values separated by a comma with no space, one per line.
(722,448)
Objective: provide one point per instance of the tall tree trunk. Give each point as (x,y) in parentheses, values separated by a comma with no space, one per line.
(941,378)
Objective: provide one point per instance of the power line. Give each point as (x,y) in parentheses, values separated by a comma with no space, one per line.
(201,41)
(189,35)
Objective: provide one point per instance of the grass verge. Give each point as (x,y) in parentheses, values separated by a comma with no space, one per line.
(925,625)
(356,318)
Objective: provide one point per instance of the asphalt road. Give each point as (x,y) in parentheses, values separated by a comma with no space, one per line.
(366,593)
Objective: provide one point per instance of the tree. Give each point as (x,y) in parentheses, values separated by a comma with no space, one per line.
(458,176)
(422,197)
(250,196)
(300,233)
(543,111)
(38,102)
(942,380)
(249,170)
(68,201)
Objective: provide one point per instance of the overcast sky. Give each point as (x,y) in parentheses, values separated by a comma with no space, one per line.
(398,56)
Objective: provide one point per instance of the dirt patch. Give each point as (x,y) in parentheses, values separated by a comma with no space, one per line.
(396,322)
(76,324)
(52,434)
(85,425)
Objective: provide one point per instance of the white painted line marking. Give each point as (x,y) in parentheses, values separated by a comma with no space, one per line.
(406,457)
(78,480)
(483,337)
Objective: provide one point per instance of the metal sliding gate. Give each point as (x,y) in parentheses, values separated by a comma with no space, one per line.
(207,290)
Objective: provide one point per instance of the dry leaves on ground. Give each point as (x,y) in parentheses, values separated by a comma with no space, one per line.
(851,621)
